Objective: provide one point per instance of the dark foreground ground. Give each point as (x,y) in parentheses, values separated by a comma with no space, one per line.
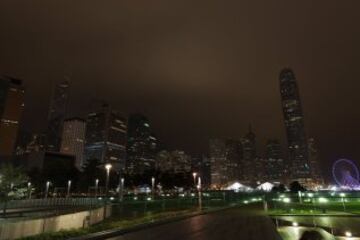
(224,225)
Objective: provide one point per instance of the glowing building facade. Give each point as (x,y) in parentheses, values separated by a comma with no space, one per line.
(106,137)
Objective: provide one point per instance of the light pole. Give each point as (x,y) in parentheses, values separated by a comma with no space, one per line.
(107,167)
(122,188)
(153,187)
(342,195)
(68,189)
(29,190)
(47,189)
(96,186)
(194,176)
(199,191)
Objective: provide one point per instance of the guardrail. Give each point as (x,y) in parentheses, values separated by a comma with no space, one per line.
(50,202)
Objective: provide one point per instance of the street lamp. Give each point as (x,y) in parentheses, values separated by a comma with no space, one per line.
(68,189)
(107,167)
(122,180)
(153,186)
(343,195)
(199,191)
(194,176)
(96,186)
(29,189)
(47,189)
(348,234)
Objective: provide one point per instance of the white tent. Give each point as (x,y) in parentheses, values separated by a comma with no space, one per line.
(237,187)
(266,186)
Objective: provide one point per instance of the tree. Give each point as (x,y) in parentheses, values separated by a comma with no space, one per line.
(296,187)
(311,235)
(12,182)
(280,188)
(92,170)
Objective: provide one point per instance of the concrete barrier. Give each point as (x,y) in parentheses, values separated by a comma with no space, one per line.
(29,227)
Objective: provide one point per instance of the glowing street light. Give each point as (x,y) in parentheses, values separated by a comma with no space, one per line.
(96,186)
(199,191)
(348,234)
(323,200)
(343,195)
(194,176)
(122,180)
(107,167)
(29,189)
(47,189)
(286,200)
(68,189)
(295,224)
(153,186)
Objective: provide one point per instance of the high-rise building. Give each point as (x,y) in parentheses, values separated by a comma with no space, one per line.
(225,161)
(315,167)
(57,113)
(106,137)
(73,139)
(218,162)
(177,162)
(11,108)
(234,155)
(249,161)
(274,161)
(297,146)
(141,145)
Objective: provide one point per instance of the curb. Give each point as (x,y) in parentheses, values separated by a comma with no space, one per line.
(121,231)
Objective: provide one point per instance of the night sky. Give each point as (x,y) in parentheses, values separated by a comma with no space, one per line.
(197,69)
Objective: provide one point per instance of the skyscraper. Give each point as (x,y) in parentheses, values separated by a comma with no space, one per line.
(314,162)
(297,146)
(141,145)
(218,162)
(73,139)
(274,161)
(11,108)
(225,161)
(57,113)
(106,137)
(249,161)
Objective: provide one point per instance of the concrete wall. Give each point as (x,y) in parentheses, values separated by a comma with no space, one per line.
(28,227)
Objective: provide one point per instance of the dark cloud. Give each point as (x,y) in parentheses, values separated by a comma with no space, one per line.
(196,68)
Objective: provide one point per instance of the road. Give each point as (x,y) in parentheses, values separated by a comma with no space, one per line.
(223,225)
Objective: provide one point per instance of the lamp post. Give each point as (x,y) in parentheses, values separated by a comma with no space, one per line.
(29,189)
(68,189)
(199,192)
(342,195)
(194,176)
(122,180)
(107,167)
(96,186)
(153,187)
(47,189)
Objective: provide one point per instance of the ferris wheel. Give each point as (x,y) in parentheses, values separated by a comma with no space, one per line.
(346,174)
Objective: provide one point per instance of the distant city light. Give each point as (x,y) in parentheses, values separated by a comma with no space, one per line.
(295,224)
(323,200)
(348,234)
(286,200)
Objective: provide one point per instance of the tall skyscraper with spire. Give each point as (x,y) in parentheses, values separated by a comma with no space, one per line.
(297,145)
(57,113)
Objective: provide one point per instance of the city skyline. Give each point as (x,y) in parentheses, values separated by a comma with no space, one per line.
(194,83)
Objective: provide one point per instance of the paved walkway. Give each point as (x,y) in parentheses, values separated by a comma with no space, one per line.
(223,225)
